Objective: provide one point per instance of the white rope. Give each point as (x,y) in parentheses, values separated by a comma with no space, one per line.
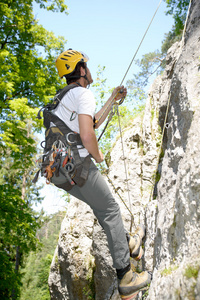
(140,43)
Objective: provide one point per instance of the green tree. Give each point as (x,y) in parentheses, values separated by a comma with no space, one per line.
(17,236)
(127,111)
(178,9)
(154,62)
(28,79)
(37,264)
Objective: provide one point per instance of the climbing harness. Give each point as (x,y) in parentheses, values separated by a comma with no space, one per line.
(61,163)
(114,109)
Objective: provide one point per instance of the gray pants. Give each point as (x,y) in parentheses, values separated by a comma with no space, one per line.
(98,196)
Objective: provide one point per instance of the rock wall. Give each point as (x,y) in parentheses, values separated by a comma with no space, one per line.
(82,266)
(176,258)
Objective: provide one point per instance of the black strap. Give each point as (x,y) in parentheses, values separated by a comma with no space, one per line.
(74,137)
(62,93)
(59,95)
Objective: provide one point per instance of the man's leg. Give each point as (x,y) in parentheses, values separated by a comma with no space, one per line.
(97,195)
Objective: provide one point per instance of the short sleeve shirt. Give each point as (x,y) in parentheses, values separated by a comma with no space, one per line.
(76,101)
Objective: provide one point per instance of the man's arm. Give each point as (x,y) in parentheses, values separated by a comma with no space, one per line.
(101,115)
(88,137)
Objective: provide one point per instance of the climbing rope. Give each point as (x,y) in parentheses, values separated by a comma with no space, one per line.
(126,172)
(116,191)
(140,43)
(165,125)
(184,30)
(114,109)
(160,148)
(113,102)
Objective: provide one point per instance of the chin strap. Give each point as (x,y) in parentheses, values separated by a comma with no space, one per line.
(85,76)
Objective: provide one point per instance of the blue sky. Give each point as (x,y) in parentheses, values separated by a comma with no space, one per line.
(109,32)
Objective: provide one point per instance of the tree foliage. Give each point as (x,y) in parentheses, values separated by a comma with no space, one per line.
(127,111)
(17,236)
(37,264)
(154,62)
(28,79)
(178,9)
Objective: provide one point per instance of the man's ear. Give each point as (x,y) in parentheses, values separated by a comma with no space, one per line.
(82,71)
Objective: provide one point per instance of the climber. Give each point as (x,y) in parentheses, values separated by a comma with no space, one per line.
(80,102)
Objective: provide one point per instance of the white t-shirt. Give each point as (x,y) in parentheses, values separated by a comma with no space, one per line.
(76,101)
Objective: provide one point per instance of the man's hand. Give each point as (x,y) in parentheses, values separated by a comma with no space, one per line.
(101,158)
(119,92)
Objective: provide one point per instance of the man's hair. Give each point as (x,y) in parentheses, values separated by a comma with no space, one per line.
(76,74)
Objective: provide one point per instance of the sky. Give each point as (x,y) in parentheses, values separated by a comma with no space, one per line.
(109,32)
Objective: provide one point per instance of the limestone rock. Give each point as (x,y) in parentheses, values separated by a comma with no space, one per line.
(162,192)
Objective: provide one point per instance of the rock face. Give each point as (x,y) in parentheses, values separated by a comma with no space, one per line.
(176,258)
(164,192)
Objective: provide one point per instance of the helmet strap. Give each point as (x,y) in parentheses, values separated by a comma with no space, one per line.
(85,76)
(79,76)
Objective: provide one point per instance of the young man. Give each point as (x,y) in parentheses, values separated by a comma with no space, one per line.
(77,110)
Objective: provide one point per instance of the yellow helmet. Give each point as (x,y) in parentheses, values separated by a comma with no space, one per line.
(67,61)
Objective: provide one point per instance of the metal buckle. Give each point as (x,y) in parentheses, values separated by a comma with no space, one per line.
(69,167)
(68,139)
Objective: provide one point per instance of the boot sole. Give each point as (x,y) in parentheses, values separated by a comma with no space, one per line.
(141,228)
(132,296)
(139,256)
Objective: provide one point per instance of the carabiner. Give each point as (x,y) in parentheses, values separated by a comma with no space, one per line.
(68,139)
(69,167)
(73,115)
(122,99)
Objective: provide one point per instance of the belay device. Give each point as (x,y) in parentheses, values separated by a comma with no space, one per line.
(61,163)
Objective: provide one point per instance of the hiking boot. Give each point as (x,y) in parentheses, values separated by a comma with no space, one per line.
(132,283)
(135,243)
